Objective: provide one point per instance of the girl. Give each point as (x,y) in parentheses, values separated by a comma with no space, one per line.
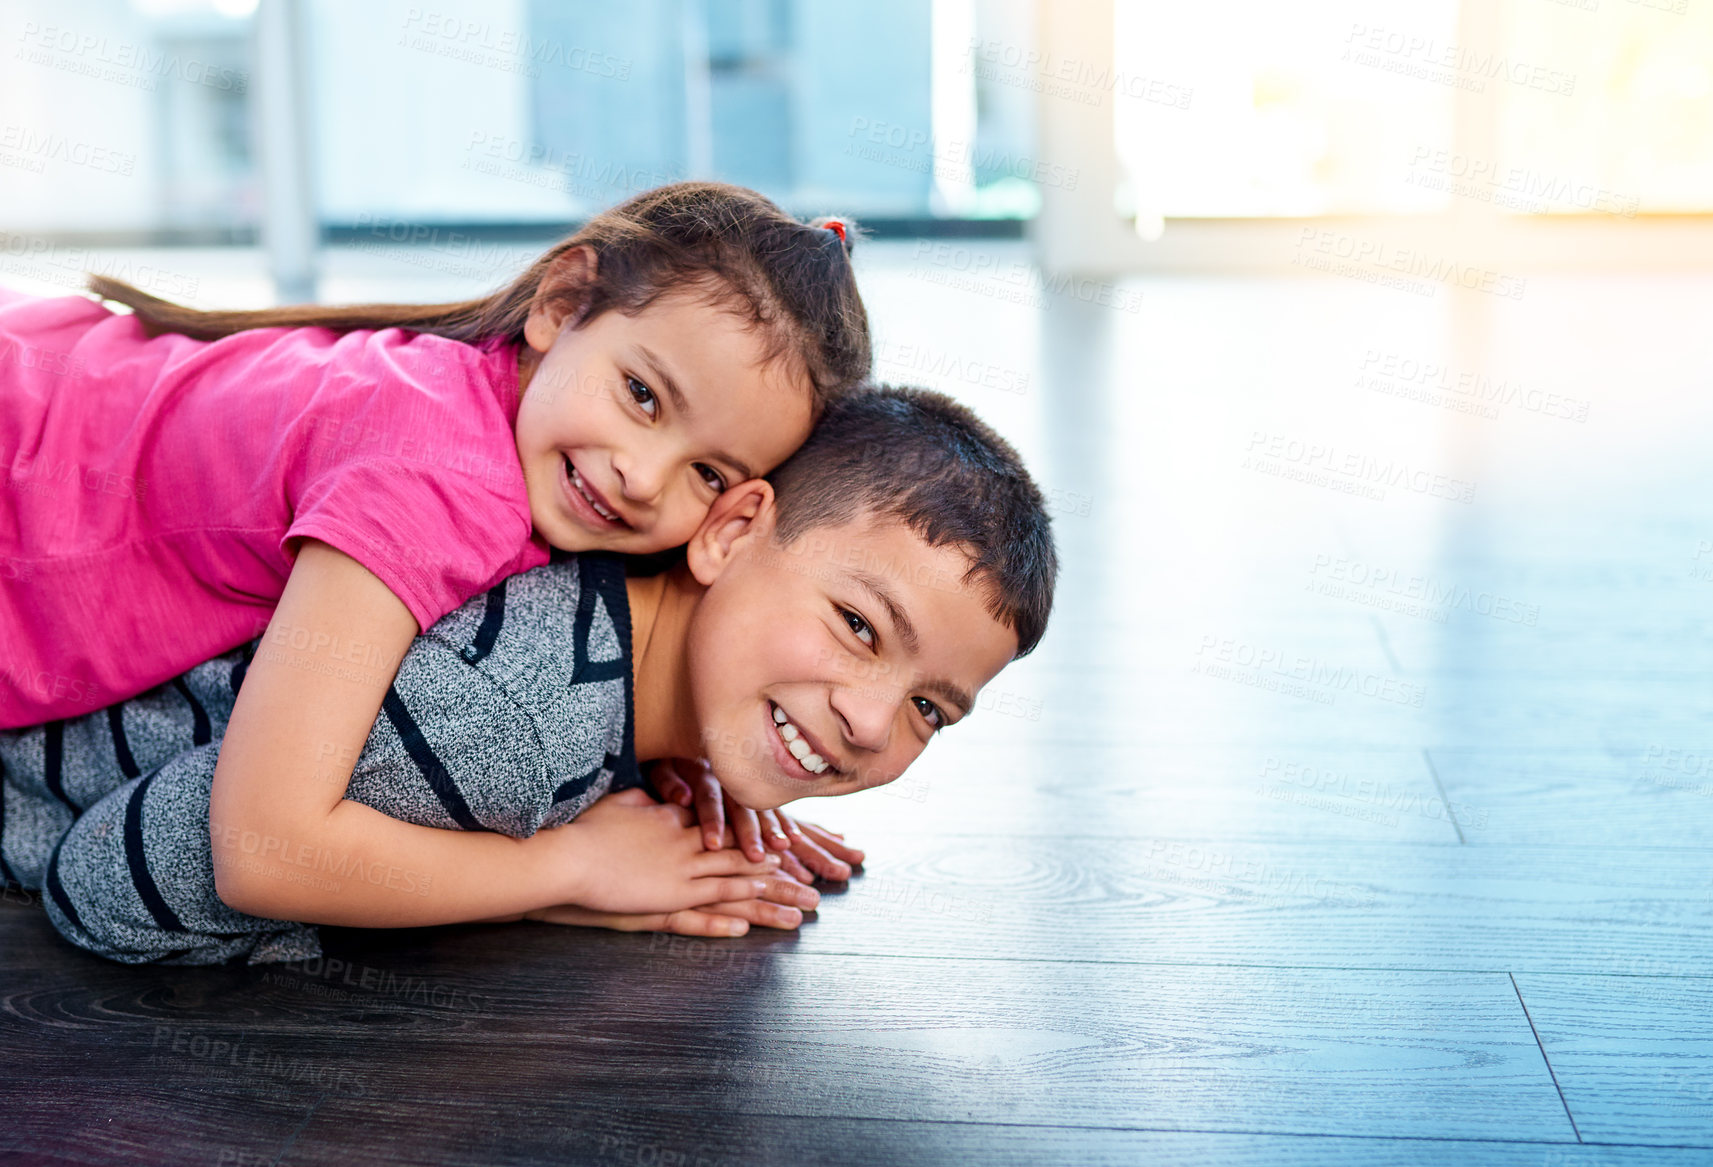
(174,475)
(162,489)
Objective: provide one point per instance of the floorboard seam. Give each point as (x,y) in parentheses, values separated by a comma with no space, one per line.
(1243,1133)
(1561,1099)
(1279,840)
(1444,801)
(1381,968)
(292,1138)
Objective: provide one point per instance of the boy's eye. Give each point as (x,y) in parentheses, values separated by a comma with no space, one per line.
(712,477)
(858,626)
(930,712)
(643,396)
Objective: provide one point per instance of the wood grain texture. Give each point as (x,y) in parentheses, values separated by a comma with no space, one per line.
(560,1131)
(1661,796)
(1634,1055)
(1221,901)
(970,785)
(713,1028)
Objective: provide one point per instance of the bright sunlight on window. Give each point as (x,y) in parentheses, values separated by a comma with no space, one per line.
(1334,107)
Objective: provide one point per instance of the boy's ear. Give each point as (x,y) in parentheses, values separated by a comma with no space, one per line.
(560,296)
(741,515)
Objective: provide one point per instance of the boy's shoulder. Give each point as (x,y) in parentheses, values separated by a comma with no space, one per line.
(516,706)
(569,617)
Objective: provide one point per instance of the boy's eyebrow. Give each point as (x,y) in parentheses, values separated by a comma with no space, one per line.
(682,405)
(951,693)
(908,637)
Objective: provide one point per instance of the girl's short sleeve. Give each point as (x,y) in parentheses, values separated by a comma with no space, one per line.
(435,535)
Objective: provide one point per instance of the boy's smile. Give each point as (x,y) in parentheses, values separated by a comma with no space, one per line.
(797,752)
(818,668)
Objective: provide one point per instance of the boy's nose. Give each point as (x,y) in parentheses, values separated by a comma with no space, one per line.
(866,717)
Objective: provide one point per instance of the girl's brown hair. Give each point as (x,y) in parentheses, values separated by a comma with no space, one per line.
(725,243)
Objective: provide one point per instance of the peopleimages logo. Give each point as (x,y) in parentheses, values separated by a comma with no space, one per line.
(1379,261)
(1412,55)
(121,62)
(1328,465)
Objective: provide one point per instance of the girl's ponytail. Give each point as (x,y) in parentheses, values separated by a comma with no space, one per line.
(793,280)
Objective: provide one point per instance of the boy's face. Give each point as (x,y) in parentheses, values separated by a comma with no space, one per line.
(859,641)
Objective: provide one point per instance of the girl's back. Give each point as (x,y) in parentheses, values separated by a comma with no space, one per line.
(145,473)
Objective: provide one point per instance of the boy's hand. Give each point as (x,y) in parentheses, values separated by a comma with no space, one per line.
(807,850)
(628,854)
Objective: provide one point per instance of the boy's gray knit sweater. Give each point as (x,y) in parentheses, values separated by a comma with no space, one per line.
(511,714)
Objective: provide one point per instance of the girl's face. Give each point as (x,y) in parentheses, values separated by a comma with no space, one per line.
(631,426)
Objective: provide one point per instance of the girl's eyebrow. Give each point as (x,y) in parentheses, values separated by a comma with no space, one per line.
(658,368)
(657,372)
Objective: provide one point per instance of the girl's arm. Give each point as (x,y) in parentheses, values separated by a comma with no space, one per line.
(288,845)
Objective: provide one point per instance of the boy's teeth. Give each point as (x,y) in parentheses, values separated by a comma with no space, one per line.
(793,738)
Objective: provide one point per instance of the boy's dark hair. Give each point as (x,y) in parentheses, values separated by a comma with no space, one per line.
(729,244)
(922,458)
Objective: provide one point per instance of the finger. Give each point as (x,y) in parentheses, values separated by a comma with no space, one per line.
(710,807)
(793,867)
(771,832)
(821,863)
(635,796)
(668,784)
(757,912)
(731,862)
(793,832)
(790,893)
(832,843)
(726,889)
(707,922)
(687,922)
(748,829)
(583,917)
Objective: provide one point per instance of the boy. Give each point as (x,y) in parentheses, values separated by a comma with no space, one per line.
(820,630)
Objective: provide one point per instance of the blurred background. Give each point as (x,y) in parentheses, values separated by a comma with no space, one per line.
(194,121)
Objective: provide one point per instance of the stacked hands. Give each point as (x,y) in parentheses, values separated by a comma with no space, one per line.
(699,864)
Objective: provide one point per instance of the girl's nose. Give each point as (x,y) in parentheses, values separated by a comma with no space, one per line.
(641,479)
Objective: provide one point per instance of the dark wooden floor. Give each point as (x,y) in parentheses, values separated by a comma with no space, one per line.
(1257,861)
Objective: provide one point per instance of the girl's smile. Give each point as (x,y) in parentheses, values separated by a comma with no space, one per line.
(588,504)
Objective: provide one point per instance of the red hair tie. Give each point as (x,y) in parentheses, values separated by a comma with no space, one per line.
(837,227)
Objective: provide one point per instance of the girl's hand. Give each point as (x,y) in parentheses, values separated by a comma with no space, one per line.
(772,909)
(629,855)
(807,850)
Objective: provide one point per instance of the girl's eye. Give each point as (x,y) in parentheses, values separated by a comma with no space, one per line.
(930,712)
(712,477)
(858,626)
(643,396)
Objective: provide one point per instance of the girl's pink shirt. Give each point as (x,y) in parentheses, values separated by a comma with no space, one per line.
(152,491)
